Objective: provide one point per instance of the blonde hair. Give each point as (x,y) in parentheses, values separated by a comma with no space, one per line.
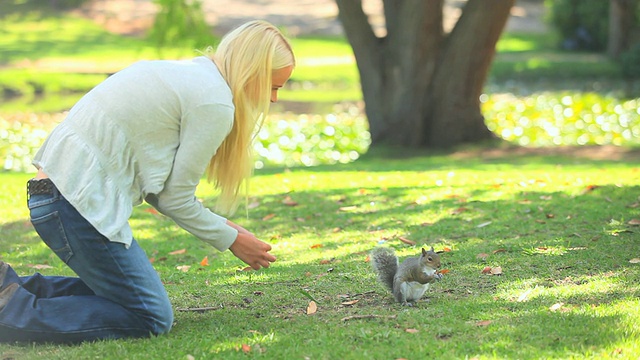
(246,57)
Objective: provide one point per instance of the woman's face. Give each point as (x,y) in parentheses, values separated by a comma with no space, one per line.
(278,78)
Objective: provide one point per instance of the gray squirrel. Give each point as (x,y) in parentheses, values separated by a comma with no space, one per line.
(409,280)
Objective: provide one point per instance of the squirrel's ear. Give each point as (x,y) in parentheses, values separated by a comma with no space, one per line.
(424,252)
(432,249)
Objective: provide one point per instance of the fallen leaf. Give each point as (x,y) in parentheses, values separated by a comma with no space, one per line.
(496,270)
(348,303)
(288,201)
(635,261)
(348,208)
(41,267)
(525,295)
(447,249)
(316,246)
(412,331)
(178,252)
(268,217)
(253,205)
(205,261)
(486,270)
(312,308)
(246,348)
(484,323)
(443,271)
(247,268)
(152,211)
(336,229)
(367,259)
(406,241)
(183,268)
(459,210)
(482,256)
(589,188)
(499,251)
(325,262)
(556,307)
(634,222)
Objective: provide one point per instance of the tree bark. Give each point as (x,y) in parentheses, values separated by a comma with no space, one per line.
(420,87)
(621,16)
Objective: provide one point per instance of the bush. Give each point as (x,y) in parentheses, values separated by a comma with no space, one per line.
(630,62)
(583,25)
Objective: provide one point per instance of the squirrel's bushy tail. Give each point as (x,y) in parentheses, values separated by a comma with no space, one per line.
(385,264)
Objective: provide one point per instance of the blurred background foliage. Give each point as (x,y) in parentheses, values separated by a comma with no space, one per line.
(545,88)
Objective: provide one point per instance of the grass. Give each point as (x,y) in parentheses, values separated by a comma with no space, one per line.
(557,225)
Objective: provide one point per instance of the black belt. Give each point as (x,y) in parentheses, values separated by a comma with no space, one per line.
(40,187)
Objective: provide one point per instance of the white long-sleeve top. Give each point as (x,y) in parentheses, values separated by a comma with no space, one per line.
(145,133)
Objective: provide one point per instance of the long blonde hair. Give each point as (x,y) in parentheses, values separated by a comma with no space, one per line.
(246,57)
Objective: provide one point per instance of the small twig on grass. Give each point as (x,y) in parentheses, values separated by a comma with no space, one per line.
(201,309)
(361,294)
(354,317)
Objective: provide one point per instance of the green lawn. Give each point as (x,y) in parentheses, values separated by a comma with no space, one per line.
(560,228)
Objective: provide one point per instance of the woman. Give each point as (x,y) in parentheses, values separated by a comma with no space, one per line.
(148,132)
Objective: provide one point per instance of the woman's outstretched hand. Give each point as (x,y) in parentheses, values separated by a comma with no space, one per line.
(250,249)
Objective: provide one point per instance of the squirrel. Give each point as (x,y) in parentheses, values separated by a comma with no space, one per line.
(409,280)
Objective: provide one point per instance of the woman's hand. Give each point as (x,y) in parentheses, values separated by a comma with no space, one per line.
(250,249)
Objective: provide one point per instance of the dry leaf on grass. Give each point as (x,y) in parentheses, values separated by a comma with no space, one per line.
(634,222)
(268,217)
(411,331)
(183,268)
(349,303)
(288,201)
(556,307)
(492,270)
(635,261)
(406,241)
(484,323)
(312,308)
(40,266)
(205,261)
(178,252)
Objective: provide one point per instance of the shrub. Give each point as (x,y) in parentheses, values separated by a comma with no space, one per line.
(583,25)
(630,62)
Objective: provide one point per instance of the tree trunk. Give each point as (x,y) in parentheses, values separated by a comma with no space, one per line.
(420,87)
(621,16)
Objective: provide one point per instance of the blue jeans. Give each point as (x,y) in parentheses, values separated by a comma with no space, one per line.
(118,294)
